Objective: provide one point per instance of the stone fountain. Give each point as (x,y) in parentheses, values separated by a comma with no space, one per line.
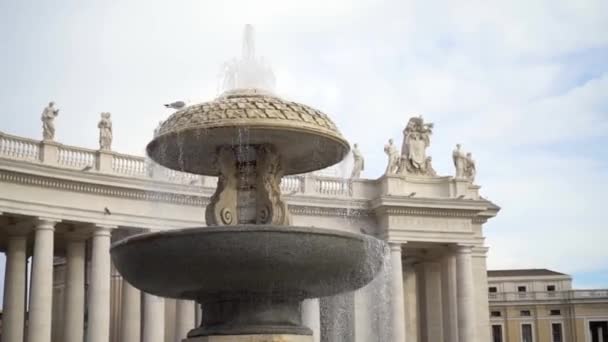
(249,268)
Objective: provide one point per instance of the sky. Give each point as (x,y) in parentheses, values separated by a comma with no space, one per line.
(521,84)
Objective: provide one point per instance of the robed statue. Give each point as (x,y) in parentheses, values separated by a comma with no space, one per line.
(48,121)
(358,163)
(416,138)
(105,132)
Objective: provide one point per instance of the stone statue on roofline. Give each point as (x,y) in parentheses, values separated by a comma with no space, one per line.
(416,139)
(48,121)
(393,158)
(105,132)
(464,164)
(359,163)
(470,170)
(459,158)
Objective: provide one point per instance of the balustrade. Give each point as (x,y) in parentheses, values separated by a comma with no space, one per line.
(129,165)
(75,157)
(19,148)
(333,186)
(292,184)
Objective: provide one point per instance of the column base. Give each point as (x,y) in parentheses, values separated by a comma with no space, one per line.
(251,338)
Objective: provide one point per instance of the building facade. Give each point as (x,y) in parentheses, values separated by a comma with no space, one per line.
(62,206)
(539,305)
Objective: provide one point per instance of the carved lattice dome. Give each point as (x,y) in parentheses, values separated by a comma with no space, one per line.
(305,138)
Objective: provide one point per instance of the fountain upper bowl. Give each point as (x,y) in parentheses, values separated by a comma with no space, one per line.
(305,138)
(211,262)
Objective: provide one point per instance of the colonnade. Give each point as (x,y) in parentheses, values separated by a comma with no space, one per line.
(93,301)
(446,285)
(445,293)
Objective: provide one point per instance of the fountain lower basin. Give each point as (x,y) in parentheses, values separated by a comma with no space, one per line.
(249,278)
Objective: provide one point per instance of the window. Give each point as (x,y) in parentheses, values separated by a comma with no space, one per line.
(550,288)
(495,314)
(492,289)
(521,289)
(555,312)
(526,333)
(497,333)
(556,332)
(525,313)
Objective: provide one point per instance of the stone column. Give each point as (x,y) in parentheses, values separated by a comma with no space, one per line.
(98,328)
(432,301)
(311,317)
(154,319)
(41,293)
(397,303)
(130,325)
(13,308)
(465,294)
(448,289)
(410,285)
(184,319)
(73,321)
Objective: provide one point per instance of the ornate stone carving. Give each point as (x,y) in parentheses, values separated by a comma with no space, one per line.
(48,121)
(358,164)
(261,108)
(271,209)
(393,158)
(221,210)
(416,138)
(105,132)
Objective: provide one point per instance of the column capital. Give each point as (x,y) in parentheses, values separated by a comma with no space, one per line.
(396,246)
(464,249)
(42,223)
(102,230)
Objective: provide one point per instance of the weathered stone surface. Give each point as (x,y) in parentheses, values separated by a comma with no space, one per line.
(306,139)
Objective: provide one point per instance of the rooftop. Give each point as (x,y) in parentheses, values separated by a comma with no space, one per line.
(523,273)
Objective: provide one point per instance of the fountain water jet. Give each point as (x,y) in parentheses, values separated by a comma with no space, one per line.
(249,269)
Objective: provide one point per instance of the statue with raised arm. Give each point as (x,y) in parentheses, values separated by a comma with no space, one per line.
(393,158)
(416,138)
(48,121)
(105,132)
(460,161)
(470,170)
(358,164)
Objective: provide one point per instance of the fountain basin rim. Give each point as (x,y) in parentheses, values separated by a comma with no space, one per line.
(240,228)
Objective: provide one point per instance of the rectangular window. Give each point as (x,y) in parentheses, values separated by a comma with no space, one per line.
(525,313)
(497,333)
(556,332)
(495,314)
(526,333)
(492,289)
(555,312)
(521,289)
(550,288)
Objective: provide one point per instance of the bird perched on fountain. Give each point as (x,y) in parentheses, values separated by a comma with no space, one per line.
(176,105)
(107,211)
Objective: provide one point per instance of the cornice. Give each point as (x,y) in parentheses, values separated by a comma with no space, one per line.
(328,211)
(103,190)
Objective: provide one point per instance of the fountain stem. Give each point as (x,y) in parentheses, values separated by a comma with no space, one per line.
(249,187)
